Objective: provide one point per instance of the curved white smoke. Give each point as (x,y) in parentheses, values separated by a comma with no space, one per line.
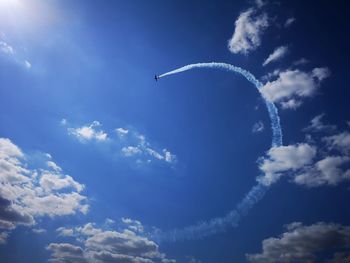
(220,224)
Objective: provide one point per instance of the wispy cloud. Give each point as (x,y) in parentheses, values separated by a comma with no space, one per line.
(6,48)
(317,125)
(258,127)
(290,21)
(26,194)
(340,141)
(143,150)
(128,141)
(302,243)
(248,30)
(301,61)
(9,51)
(276,55)
(39,230)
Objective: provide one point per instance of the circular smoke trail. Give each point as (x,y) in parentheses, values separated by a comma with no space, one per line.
(231,219)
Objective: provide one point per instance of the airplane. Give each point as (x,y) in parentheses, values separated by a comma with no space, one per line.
(156,77)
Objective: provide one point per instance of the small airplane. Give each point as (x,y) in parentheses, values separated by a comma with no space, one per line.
(156,77)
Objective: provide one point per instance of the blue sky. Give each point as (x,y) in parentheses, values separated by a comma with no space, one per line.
(100,163)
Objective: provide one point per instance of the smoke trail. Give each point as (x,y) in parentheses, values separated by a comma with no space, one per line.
(272,110)
(220,224)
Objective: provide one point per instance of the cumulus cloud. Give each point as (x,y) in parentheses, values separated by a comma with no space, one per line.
(310,164)
(276,55)
(302,244)
(99,245)
(26,194)
(89,132)
(292,86)
(327,171)
(65,252)
(258,127)
(284,158)
(248,30)
(133,225)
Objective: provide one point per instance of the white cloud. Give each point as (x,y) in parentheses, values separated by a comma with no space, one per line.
(271,75)
(321,73)
(328,164)
(327,171)
(317,125)
(339,141)
(6,48)
(98,246)
(27,64)
(55,181)
(122,132)
(131,143)
(304,243)
(131,150)
(144,149)
(89,132)
(133,225)
(291,104)
(39,230)
(276,55)
(53,166)
(65,232)
(248,30)
(64,121)
(26,194)
(88,229)
(9,50)
(109,221)
(281,159)
(65,252)
(289,21)
(3,237)
(258,127)
(301,61)
(260,3)
(292,86)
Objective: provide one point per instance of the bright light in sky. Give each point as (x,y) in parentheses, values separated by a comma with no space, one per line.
(25,16)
